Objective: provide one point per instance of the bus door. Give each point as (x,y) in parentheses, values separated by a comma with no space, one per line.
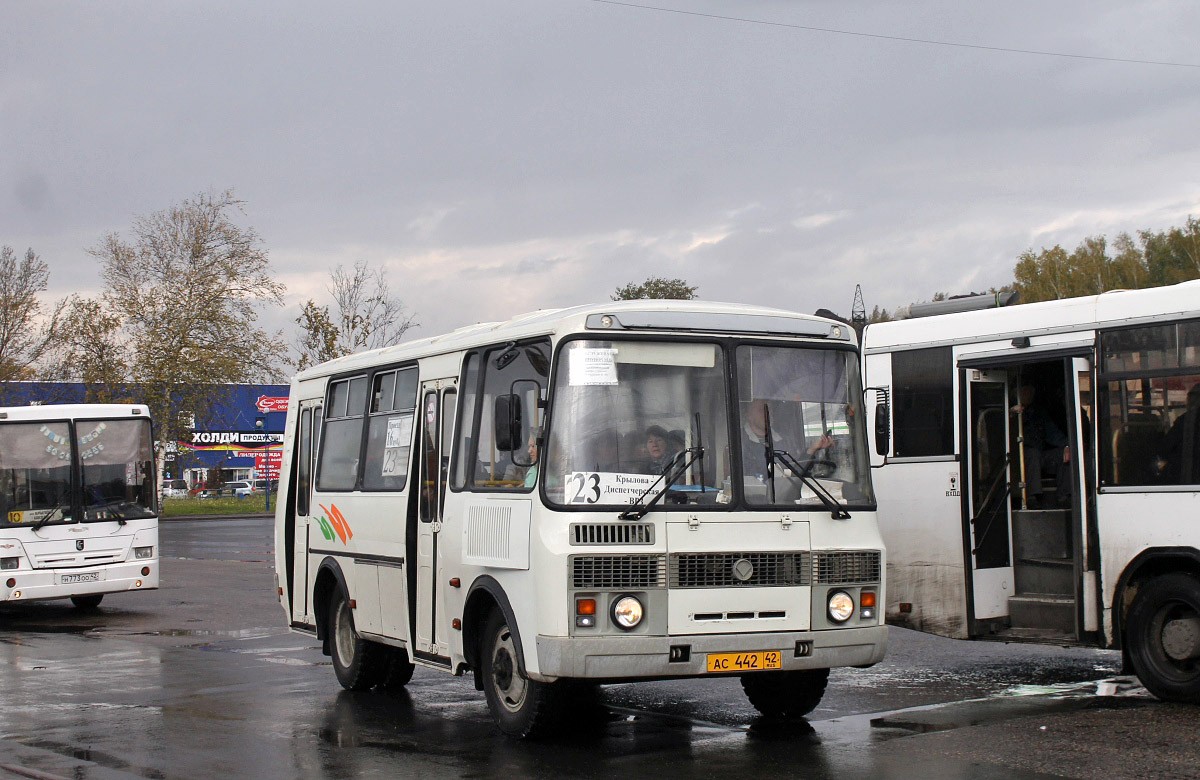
(438,400)
(989,477)
(296,536)
(1084,489)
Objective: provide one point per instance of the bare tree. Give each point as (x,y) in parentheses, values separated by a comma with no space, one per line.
(27,330)
(185,291)
(366,316)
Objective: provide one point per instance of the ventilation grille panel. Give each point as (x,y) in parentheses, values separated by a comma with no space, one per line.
(612,533)
(717,570)
(846,567)
(618,572)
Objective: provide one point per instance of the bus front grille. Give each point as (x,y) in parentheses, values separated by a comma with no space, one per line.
(612,533)
(846,567)
(740,569)
(618,572)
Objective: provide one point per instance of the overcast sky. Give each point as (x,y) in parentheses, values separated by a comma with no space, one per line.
(499,156)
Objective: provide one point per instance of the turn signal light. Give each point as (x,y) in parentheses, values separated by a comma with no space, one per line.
(866,599)
(585,606)
(12,582)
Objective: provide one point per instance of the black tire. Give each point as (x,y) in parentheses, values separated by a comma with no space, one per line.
(520,707)
(399,669)
(1163,636)
(786,694)
(359,664)
(90,601)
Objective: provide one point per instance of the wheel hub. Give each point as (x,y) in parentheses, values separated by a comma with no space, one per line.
(1181,639)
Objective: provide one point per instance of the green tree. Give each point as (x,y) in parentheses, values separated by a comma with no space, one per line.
(28,330)
(184,294)
(1172,256)
(91,349)
(656,287)
(1089,270)
(366,316)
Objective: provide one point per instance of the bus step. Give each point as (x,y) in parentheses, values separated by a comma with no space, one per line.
(1043,611)
(1044,533)
(1046,576)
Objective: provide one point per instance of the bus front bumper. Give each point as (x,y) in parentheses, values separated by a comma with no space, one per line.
(40,584)
(634,657)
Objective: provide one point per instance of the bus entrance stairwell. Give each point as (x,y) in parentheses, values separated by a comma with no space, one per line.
(1025,549)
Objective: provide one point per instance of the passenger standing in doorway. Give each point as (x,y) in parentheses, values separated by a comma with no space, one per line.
(1046,449)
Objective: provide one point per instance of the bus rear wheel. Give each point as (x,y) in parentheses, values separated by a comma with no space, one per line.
(359,664)
(87,602)
(1164,637)
(786,694)
(520,707)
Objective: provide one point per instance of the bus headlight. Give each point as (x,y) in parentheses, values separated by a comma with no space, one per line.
(10,563)
(627,612)
(841,606)
(143,552)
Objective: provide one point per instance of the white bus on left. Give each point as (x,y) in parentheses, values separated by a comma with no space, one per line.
(78,508)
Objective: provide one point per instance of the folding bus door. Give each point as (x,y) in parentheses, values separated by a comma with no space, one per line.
(989,477)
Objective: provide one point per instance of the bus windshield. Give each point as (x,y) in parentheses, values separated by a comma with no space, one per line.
(626,413)
(36,462)
(118,469)
(801,427)
(35,473)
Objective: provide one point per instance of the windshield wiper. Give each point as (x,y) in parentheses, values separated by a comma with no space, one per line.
(837,510)
(40,524)
(671,474)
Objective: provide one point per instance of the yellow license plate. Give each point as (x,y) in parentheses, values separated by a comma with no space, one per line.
(744,662)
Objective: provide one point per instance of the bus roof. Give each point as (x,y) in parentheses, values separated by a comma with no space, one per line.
(1110,309)
(641,316)
(72,412)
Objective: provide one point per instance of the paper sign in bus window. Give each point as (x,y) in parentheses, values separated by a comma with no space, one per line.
(395,446)
(593,366)
(591,487)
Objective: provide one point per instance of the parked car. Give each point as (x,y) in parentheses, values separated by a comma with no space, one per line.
(239,489)
(175,488)
(261,484)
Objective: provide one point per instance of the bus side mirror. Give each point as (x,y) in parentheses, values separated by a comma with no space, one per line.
(883,429)
(506,417)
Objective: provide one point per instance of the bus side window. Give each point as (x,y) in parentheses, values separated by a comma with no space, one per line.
(389,430)
(304,463)
(519,372)
(337,468)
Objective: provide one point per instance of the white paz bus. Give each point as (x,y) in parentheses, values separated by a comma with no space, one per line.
(78,506)
(637,490)
(1042,481)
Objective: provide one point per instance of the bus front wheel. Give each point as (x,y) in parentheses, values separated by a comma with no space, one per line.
(358,663)
(520,707)
(1164,636)
(786,694)
(87,602)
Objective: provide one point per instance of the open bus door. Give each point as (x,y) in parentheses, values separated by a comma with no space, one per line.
(1027,534)
(988,505)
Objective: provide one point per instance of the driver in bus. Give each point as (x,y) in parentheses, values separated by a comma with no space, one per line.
(754,440)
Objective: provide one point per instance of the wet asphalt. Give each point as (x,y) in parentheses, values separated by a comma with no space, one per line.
(201,679)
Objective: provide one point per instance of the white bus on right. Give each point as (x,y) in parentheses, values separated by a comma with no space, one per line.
(1038,475)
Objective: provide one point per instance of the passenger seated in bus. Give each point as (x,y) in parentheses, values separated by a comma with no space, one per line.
(1180,450)
(1046,450)
(661,449)
(526,475)
(754,440)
